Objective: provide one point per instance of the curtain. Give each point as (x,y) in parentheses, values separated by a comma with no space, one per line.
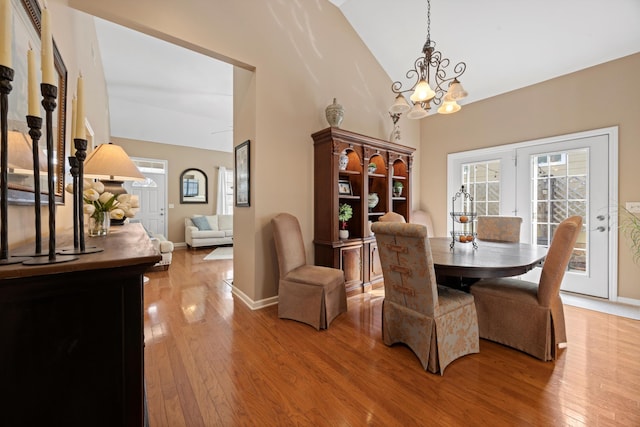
(221,205)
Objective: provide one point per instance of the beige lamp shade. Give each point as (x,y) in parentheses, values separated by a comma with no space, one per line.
(417,112)
(400,106)
(111,162)
(20,155)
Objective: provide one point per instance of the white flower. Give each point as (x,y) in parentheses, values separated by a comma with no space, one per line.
(87,183)
(69,188)
(89,209)
(116,213)
(129,212)
(91,195)
(98,186)
(124,198)
(105,197)
(135,202)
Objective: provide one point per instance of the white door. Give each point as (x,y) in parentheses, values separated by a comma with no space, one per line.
(152,195)
(562,179)
(545,181)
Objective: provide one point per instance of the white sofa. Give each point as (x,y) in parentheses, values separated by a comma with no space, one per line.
(219,232)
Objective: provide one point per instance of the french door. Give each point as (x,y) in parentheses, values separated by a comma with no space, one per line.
(544,182)
(152,194)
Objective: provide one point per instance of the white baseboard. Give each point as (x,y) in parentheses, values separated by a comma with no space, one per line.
(624,307)
(253,305)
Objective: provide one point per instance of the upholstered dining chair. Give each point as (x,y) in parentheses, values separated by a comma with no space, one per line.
(423,217)
(437,323)
(311,294)
(499,228)
(524,315)
(392,217)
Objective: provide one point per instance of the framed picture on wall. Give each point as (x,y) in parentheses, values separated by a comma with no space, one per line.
(241,170)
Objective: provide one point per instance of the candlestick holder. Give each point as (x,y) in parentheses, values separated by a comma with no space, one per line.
(6,77)
(49,94)
(77,172)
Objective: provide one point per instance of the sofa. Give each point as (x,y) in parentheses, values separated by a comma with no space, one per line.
(208,230)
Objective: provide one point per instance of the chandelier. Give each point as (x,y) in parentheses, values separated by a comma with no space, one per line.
(432,85)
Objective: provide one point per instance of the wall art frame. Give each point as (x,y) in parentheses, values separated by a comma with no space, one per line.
(242,167)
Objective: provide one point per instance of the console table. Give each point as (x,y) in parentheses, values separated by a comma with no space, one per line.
(71,334)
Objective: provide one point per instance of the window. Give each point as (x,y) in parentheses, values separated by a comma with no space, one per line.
(482,181)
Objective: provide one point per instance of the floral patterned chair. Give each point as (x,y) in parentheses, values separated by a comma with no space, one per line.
(311,294)
(439,324)
(499,228)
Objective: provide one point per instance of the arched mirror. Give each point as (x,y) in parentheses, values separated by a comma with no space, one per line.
(193,186)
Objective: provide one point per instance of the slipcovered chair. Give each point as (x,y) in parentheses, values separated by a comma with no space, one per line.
(311,294)
(524,315)
(392,217)
(499,228)
(423,218)
(437,323)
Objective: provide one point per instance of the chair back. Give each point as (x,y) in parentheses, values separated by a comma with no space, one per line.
(289,243)
(499,228)
(407,265)
(555,264)
(423,218)
(392,217)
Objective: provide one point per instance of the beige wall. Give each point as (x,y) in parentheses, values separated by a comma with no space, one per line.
(180,158)
(597,97)
(304,54)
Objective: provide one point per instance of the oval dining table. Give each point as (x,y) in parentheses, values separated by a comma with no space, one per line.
(464,264)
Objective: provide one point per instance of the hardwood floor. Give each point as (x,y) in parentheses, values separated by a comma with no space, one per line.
(211,361)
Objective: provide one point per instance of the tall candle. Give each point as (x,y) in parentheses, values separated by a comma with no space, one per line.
(32,88)
(80,129)
(5,33)
(48,73)
(74,120)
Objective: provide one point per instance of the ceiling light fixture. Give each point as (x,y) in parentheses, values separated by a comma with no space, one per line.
(430,85)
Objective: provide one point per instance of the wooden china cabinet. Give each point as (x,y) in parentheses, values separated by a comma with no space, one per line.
(357,255)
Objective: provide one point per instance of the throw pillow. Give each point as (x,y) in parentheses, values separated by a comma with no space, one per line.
(201,222)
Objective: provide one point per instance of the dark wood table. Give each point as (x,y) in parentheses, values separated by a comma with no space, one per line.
(490,259)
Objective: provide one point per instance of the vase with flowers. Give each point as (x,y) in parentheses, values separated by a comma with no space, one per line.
(102,206)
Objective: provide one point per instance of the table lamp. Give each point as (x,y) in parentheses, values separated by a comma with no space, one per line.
(112,166)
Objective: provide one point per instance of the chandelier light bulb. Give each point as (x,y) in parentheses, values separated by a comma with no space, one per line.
(423,92)
(449,107)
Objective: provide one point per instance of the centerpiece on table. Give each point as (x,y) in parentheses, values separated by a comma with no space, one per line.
(103,206)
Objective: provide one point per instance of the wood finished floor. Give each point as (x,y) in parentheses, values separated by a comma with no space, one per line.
(211,361)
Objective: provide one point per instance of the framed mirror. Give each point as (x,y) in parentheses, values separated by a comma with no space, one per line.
(194,187)
(26,33)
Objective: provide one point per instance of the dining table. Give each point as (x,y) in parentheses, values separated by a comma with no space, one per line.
(463,264)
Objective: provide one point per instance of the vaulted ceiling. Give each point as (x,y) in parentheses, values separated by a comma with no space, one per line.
(506,44)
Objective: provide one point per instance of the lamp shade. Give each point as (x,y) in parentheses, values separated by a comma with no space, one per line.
(423,92)
(111,162)
(455,92)
(20,158)
(400,106)
(449,107)
(417,112)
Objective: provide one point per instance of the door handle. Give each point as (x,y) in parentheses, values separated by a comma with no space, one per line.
(601,229)
(600,217)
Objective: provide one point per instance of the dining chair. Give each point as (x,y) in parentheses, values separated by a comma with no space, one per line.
(392,217)
(525,315)
(423,217)
(311,294)
(437,323)
(499,228)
